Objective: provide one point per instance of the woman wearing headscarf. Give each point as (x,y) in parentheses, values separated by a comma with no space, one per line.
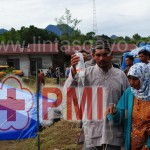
(133,109)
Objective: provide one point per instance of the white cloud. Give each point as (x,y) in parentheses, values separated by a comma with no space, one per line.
(113,17)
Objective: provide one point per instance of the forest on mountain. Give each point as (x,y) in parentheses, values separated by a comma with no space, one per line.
(34,35)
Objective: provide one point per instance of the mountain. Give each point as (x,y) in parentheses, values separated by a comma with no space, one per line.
(54,28)
(57,29)
(2,31)
(113,37)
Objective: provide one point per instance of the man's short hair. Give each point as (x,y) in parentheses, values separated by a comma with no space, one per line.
(144,52)
(130,57)
(84,51)
(103,44)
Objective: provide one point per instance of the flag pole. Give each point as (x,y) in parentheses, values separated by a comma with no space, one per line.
(37,102)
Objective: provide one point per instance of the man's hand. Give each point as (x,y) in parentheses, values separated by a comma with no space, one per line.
(110,110)
(74,60)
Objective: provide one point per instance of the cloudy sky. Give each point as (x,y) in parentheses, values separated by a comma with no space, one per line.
(113,17)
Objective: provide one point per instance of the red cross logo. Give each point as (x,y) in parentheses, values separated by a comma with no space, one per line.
(11,104)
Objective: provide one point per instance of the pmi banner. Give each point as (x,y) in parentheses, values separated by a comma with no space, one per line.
(18,106)
(18,115)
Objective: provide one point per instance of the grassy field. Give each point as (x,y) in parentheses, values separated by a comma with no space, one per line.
(48,82)
(62,135)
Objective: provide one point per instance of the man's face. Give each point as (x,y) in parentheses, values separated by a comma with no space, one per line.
(129,62)
(85,56)
(143,58)
(102,58)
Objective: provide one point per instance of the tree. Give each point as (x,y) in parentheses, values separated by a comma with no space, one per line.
(136,36)
(90,35)
(10,37)
(127,39)
(36,35)
(66,21)
(31,35)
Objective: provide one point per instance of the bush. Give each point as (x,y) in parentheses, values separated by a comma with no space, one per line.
(9,70)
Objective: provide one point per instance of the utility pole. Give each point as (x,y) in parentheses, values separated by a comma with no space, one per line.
(94,19)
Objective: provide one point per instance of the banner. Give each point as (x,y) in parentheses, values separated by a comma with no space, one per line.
(18,114)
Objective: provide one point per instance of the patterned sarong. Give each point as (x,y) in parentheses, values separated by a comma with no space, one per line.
(140,124)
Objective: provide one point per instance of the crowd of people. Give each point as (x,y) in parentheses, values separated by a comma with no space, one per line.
(126,100)
(52,72)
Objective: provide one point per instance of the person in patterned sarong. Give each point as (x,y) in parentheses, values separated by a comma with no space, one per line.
(133,109)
